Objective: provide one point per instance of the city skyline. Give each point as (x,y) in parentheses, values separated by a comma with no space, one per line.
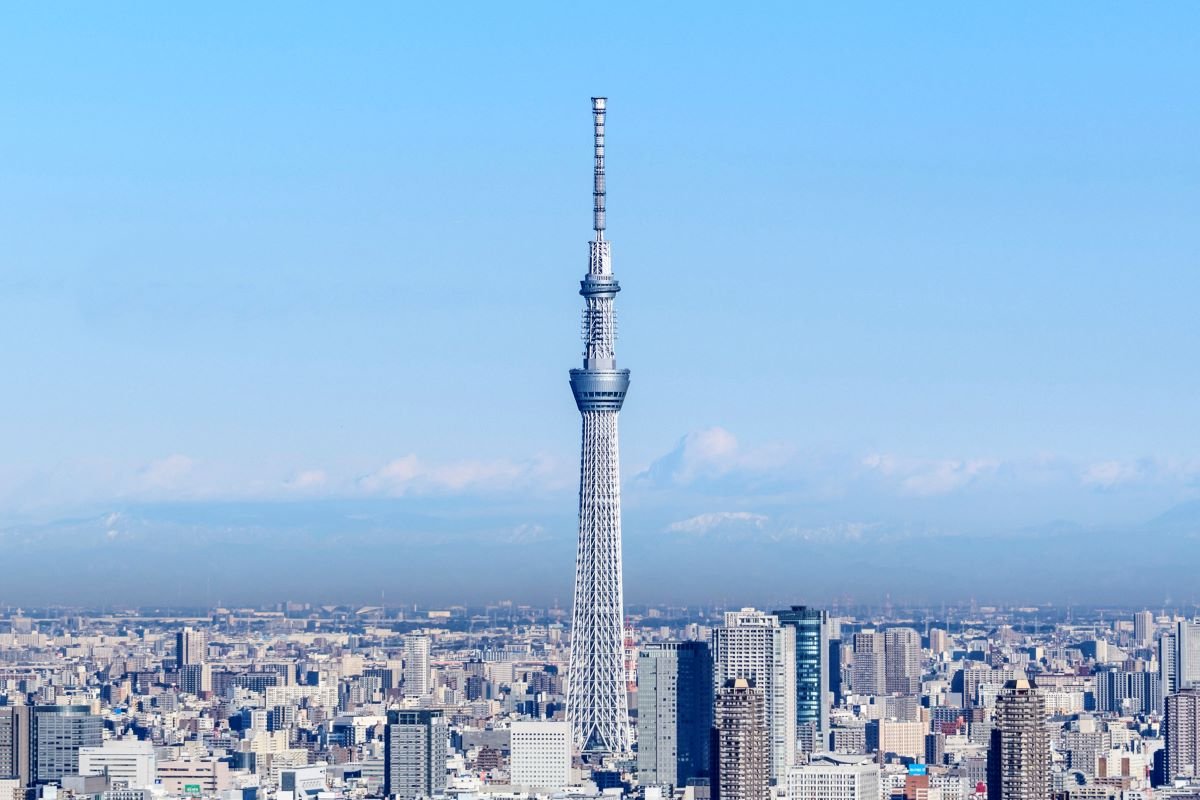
(944,295)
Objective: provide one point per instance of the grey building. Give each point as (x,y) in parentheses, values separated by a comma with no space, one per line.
(675,711)
(1181,728)
(1018,765)
(812,670)
(902,661)
(868,672)
(15,756)
(1122,691)
(57,733)
(1179,658)
(190,647)
(414,754)
(741,743)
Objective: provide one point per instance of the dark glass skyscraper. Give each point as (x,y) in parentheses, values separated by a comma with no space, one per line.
(812,669)
(675,712)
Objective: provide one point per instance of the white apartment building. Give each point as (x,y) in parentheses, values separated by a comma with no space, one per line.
(417,678)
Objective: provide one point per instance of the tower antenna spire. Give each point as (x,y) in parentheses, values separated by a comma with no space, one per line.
(599,105)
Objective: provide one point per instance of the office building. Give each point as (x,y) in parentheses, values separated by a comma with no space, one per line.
(902,661)
(753,645)
(58,733)
(939,641)
(935,748)
(597,703)
(417,677)
(834,782)
(16,757)
(1125,692)
(414,754)
(195,678)
(1181,730)
(868,675)
(890,736)
(1143,628)
(540,754)
(675,708)
(128,763)
(741,743)
(187,776)
(811,627)
(1018,765)
(190,647)
(1179,657)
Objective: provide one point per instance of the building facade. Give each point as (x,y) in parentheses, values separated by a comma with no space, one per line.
(540,754)
(754,646)
(416,666)
(1018,766)
(675,711)
(741,743)
(58,733)
(811,627)
(1181,729)
(414,754)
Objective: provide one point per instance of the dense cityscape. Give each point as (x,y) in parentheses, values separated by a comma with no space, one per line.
(329,701)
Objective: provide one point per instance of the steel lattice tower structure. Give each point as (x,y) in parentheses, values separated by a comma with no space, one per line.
(596,700)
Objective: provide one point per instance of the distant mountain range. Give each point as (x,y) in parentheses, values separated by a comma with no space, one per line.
(435,551)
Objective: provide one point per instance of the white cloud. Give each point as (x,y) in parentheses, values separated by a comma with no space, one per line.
(1107,474)
(412,475)
(711,453)
(166,473)
(705,523)
(308,480)
(928,477)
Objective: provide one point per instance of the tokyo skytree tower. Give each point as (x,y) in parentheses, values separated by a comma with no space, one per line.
(596,702)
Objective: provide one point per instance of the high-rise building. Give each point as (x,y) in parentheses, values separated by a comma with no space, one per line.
(1143,628)
(414,754)
(741,744)
(16,757)
(902,661)
(811,626)
(128,763)
(935,748)
(190,647)
(597,705)
(1018,766)
(939,641)
(833,782)
(417,680)
(1179,657)
(753,645)
(868,673)
(675,707)
(1122,691)
(1181,729)
(195,678)
(540,754)
(57,734)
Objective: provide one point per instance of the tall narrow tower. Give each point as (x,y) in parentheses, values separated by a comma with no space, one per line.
(596,702)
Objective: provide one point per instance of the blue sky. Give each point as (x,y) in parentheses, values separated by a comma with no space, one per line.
(925,271)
